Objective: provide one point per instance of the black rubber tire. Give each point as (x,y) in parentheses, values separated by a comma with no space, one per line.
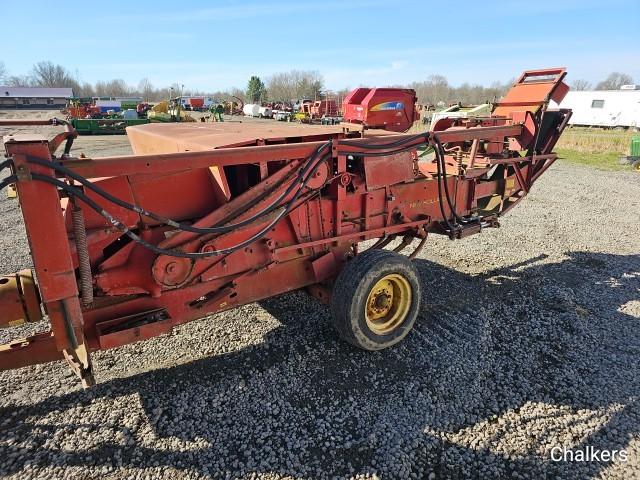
(352,288)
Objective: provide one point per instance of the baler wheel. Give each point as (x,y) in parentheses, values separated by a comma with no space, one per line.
(636,165)
(376,299)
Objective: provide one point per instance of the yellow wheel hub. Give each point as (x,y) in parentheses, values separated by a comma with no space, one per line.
(388,304)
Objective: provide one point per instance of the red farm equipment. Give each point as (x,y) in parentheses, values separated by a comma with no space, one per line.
(204,218)
(81,108)
(196,103)
(321,108)
(391,109)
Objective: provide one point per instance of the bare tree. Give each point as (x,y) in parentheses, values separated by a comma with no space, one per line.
(100,88)
(3,72)
(295,85)
(145,89)
(112,88)
(614,81)
(84,90)
(437,91)
(47,74)
(119,88)
(433,91)
(19,81)
(580,85)
(176,89)
(238,93)
(281,87)
(439,87)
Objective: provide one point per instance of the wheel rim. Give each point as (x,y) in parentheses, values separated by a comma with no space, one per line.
(388,304)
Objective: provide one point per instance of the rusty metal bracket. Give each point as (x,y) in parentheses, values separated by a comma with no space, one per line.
(523,184)
(366,235)
(23,173)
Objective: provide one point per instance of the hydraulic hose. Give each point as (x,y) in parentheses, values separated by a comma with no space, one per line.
(380,146)
(451,228)
(440,150)
(312,162)
(8,181)
(382,154)
(163,251)
(5,164)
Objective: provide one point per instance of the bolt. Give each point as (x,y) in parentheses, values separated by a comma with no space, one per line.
(171,267)
(382,301)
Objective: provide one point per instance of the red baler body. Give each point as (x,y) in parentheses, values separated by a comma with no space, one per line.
(109,282)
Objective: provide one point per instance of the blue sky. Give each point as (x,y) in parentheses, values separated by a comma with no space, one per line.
(219,44)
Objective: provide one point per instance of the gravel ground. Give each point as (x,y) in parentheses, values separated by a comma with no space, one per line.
(529,338)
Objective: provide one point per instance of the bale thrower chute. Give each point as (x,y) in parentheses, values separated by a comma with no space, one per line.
(207,217)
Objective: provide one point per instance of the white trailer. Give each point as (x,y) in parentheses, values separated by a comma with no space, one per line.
(265,112)
(604,108)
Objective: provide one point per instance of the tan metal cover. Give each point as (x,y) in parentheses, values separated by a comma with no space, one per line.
(182,137)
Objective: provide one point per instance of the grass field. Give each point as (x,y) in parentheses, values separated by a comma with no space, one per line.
(601,160)
(595,147)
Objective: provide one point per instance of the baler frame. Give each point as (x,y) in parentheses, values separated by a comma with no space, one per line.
(349,195)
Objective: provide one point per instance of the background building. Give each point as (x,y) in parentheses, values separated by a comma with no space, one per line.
(34,97)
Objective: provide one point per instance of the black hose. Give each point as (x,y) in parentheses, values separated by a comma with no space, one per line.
(381,154)
(5,164)
(443,166)
(450,228)
(440,148)
(8,181)
(382,146)
(163,251)
(181,226)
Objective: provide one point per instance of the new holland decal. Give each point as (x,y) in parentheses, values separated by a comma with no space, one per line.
(388,106)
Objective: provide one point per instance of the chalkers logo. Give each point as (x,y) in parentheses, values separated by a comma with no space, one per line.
(588,454)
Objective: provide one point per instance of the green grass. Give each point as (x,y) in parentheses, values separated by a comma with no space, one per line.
(596,140)
(595,147)
(603,161)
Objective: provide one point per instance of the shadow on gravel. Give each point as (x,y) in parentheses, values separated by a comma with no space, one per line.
(500,368)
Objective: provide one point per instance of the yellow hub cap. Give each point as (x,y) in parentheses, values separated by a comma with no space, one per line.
(388,304)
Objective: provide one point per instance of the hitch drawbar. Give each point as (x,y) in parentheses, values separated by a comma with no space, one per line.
(19,299)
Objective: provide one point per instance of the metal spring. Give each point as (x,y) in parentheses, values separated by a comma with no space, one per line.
(80,234)
(459,157)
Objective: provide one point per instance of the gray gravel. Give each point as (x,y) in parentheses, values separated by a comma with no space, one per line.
(529,339)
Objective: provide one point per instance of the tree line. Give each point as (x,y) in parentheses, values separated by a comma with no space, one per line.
(48,74)
(613,82)
(279,87)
